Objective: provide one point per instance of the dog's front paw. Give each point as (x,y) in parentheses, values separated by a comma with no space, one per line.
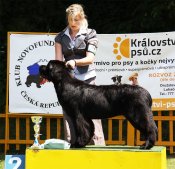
(142,147)
(72,146)
(146,146)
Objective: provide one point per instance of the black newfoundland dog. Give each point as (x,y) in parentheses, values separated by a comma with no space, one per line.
(83,102)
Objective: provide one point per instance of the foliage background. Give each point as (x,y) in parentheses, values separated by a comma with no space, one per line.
(106,16)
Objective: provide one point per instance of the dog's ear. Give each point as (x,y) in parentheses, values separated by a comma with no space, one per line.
(120,77)
(55,70)
(114,79)
(45,71)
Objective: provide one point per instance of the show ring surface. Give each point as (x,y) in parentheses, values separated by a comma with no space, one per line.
(93,157)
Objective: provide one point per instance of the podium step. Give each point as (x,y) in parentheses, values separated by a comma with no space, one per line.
(93,157)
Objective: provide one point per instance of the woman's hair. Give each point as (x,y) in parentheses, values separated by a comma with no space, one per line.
(77,9)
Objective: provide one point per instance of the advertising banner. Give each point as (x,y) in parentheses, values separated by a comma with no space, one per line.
(28,92)
(150,57)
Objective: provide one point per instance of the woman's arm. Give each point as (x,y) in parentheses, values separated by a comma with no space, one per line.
(92,43)
(82,62)
(58,52)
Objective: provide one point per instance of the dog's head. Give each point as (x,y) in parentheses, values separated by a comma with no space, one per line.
(117,79)
(53,71)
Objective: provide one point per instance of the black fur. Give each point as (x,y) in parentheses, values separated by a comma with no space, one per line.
(83,102)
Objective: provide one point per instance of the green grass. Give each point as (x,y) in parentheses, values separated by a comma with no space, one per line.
(2,157)
(170,161)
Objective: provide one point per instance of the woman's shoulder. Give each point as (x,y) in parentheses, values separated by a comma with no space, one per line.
(59,35)
(91,33)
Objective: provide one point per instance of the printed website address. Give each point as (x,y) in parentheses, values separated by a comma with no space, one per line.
(163,104)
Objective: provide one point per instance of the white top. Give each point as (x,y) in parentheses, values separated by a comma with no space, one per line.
(76,73)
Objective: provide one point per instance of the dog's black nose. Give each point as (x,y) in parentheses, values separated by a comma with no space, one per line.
(42,67)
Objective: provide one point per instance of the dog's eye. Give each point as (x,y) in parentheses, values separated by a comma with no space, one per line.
(50,66)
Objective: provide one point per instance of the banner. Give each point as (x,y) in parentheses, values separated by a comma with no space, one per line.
(28,92)
(151,56)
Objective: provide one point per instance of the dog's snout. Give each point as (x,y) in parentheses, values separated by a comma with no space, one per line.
(42,68)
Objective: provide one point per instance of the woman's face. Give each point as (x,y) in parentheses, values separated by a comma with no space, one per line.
(134,80)
(74,22)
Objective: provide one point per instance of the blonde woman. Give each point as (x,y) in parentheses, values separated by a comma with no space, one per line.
(134,79)
(77,45)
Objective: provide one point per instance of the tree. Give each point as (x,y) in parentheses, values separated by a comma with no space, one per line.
(106,16)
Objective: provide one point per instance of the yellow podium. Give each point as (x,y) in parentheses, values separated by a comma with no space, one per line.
(93,157)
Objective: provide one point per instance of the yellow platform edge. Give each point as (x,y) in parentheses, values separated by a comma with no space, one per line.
(94,158)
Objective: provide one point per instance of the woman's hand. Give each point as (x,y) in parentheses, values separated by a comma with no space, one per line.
(71,64)
(81,62)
